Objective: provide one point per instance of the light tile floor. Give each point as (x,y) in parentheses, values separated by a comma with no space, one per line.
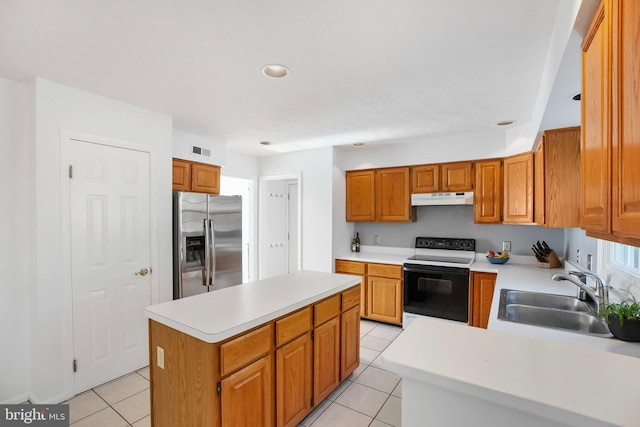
(370,396)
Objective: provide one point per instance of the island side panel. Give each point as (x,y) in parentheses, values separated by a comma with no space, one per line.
(184,392)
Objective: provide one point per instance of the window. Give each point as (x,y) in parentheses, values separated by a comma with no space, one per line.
(620,264)
(625,258)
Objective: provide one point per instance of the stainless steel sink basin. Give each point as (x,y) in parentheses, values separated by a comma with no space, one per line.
(550,311)
(560,302)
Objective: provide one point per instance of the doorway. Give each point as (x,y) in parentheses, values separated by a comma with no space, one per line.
(279,225)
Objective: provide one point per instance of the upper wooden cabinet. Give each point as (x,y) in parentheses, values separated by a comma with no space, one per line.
(393,195)
(488,192)
(596,146)
(379,195)
(197,177)
(457,176)
(425,179)
(518,189)
(557,179)
(361,195)
(450,177)
(625,129)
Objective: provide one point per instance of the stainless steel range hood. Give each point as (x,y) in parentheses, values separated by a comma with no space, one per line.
(439,199)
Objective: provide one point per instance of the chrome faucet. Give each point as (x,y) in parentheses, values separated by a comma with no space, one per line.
(601,297)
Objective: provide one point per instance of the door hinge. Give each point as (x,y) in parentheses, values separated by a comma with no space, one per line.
(312,334)
(218,388)
(313,402)
(70,171)
(75,365)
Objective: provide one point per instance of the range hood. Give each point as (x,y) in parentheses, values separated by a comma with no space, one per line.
(439,199)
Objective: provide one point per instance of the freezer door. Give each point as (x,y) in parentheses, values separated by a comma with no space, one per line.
(189,245)
(225,213)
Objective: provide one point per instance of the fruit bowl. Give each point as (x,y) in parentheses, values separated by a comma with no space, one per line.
(494,260)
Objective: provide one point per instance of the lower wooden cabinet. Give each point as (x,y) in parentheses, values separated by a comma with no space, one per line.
(481,289)
(349,351)
(247,396)
(293,381)
(326,359)
(382,289)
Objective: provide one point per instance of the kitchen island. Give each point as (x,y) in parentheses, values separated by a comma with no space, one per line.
(262,353)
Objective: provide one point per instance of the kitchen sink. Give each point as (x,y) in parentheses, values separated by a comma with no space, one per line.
(550,311)
(536,299)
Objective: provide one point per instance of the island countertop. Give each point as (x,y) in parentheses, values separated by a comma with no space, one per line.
(218,315)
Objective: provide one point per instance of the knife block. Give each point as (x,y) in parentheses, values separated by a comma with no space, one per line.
(551,261)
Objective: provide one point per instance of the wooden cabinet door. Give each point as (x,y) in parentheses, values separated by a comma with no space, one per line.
(626,118)
(481,296)
(361,195)
(457,176)
(246,397)
(181,173)
(596,152)
(518,189)
(488,192)
(349,342)
(355,268)
(293,381)
(326,359)
(425,179)
(393,194)
(557,179)
(205,178)
(384,299)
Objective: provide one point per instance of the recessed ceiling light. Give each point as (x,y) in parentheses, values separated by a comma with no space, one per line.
(506,122)
(265,143)
(358,144)
(275,70)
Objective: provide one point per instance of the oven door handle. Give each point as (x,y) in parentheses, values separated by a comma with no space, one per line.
(436,269)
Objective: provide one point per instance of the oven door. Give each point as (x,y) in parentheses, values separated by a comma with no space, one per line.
(437,291)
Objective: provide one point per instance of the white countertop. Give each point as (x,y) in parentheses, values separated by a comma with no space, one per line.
(218,315)
(576,384)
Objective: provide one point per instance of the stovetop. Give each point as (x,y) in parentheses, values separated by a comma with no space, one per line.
(447,252)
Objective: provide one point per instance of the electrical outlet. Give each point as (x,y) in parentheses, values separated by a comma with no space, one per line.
(160,357)
(506,246)
(589,259)
(578,256)
(376,239)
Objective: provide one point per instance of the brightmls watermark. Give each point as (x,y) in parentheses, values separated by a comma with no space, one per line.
(34,415)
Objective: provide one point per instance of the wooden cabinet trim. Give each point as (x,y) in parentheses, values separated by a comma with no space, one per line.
(385,270)
(351,267)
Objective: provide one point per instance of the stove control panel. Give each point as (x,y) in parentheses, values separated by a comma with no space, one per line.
(445,243)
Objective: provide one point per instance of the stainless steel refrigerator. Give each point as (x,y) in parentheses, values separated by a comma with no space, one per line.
(207,243)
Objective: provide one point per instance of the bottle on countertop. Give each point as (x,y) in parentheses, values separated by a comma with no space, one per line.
(357,242)
(353,244)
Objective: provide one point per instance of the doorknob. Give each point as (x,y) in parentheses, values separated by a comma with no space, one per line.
(142,272)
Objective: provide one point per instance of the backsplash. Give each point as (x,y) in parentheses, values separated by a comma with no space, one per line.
(457,221)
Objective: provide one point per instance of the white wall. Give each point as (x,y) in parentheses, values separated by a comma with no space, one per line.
(59,108)
(315,167)
(182,142)
(15,185)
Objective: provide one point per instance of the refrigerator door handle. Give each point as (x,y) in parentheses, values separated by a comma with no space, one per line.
(212,255)
(205,270)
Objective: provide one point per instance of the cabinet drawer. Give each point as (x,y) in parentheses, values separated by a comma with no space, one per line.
(385,270)
(326,310)
(351,297)
(293,326)
(242,350)
(351,267)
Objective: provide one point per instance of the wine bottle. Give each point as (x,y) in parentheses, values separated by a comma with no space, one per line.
(357,242)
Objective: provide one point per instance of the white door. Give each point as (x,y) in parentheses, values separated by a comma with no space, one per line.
(292,224)
(110,257)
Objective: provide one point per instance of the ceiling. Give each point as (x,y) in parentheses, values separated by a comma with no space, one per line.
(372,71)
